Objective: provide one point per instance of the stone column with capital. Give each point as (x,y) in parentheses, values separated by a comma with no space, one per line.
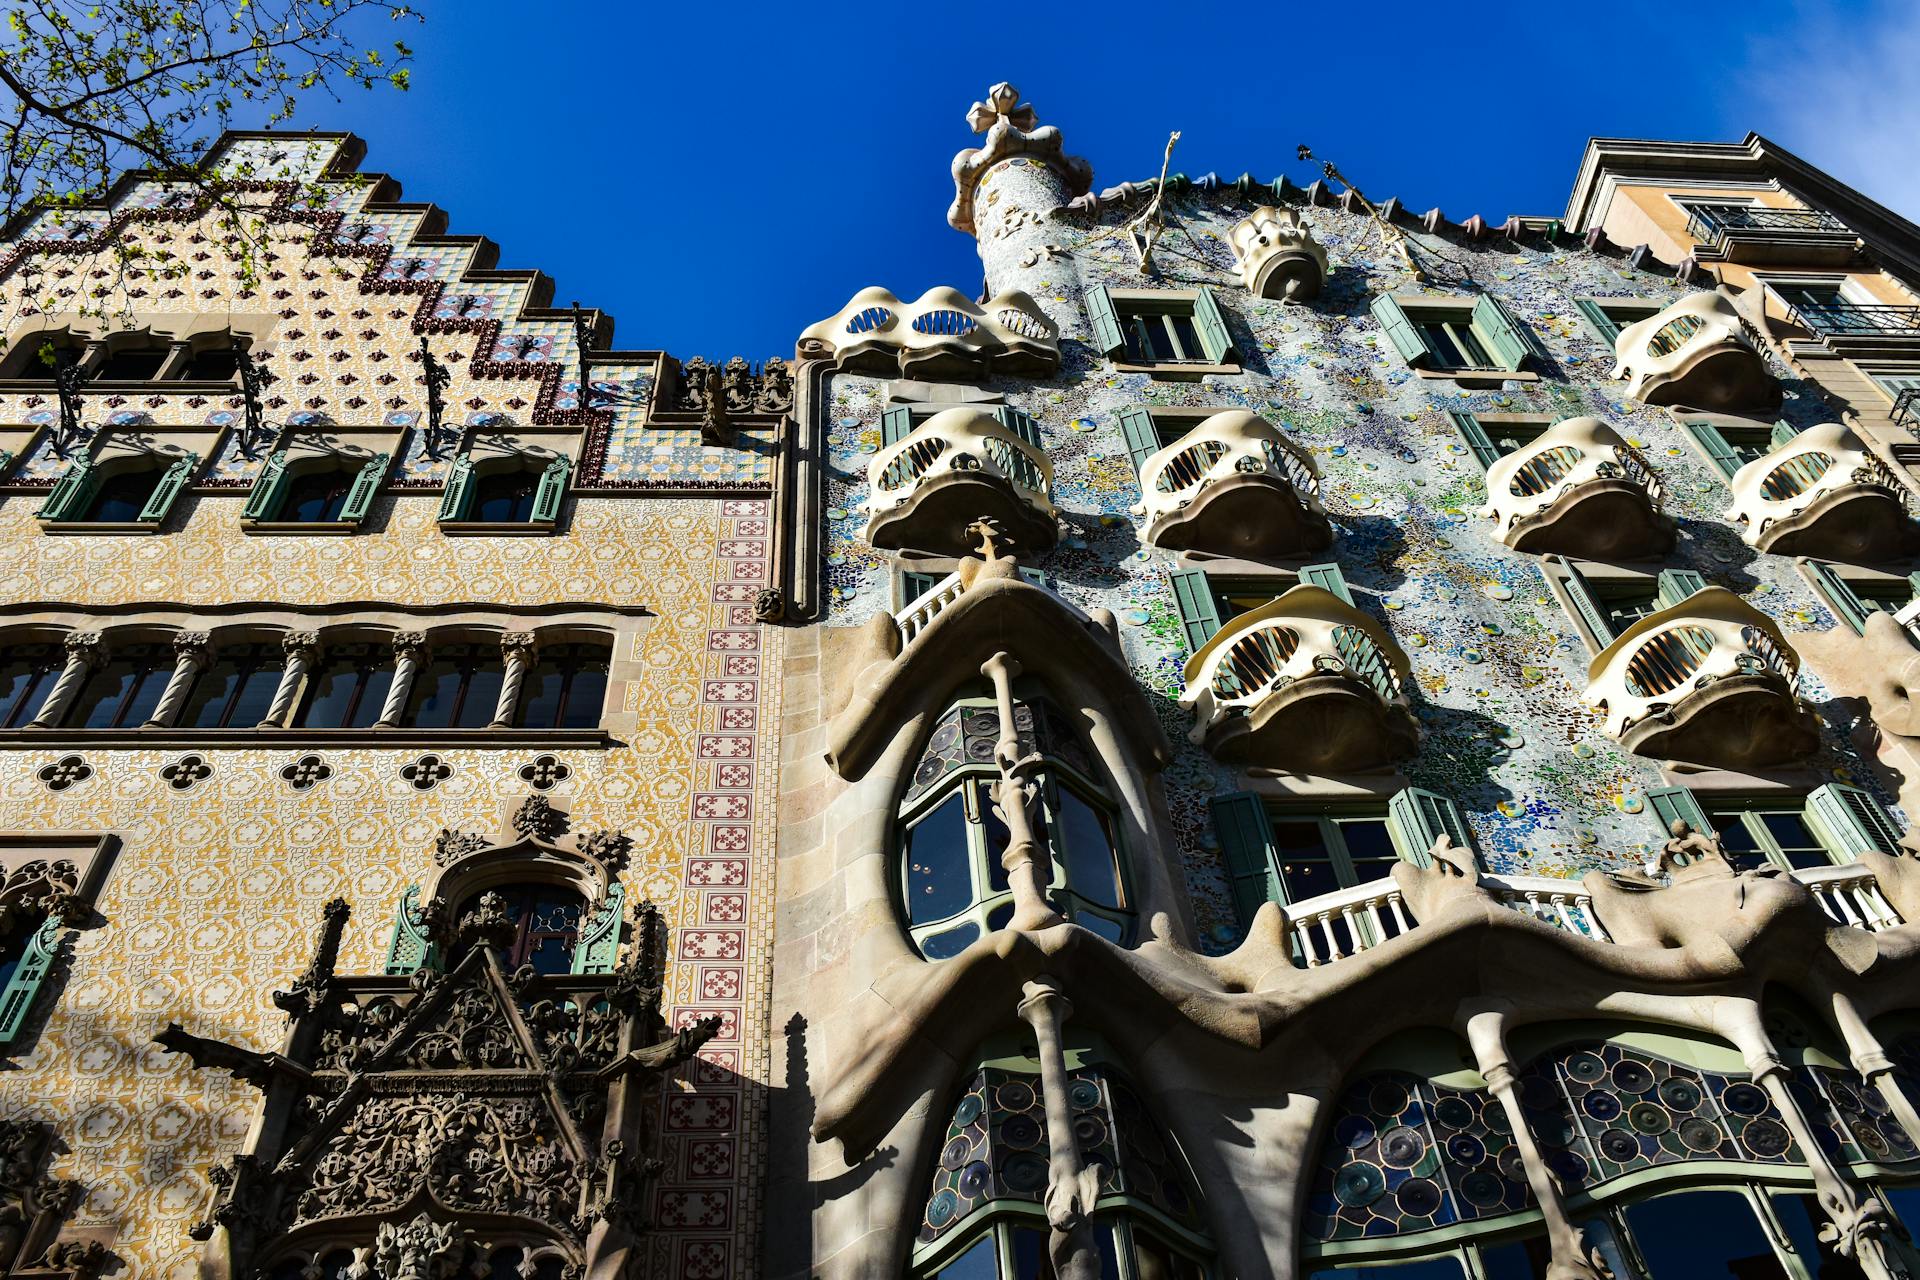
(517,652)
(84,653)
(191,656)
(302,649)
(409,651)
(1073,1186)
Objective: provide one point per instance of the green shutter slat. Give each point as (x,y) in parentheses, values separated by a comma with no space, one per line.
(1142,437)
(1670,804)
(458,494)
(1416,818)
(1328,578)
(1211,321)
(1849,606)
(365,485)
(1103,319)
(170,487)
(23,988)
(895,425)
(409,947)
(1587,606)
(73,492)
(1194,598)
(1032,576)
(268,487)
(551,491)
(1400,331)
(1020,423)
(1678,584)
(1715,446)
(1502,331)
(1476,437)
(1246,843)
(1602,324)
(598,947)
(1783,433)
(1850,822)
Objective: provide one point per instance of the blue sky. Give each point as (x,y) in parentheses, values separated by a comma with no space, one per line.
(720,178)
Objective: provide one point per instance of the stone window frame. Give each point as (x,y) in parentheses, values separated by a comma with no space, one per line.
(1399,317)
(88,640)
(308,448)
(1107,310)
(184,334)
(54,906)
(178,453)
(487,448)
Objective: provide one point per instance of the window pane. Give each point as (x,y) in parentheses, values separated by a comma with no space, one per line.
(215,364)
(998,838)
(236,691)
(1790,832)
(316,497)
(1906,1207)
(483,696)
(1369,848)
(436,692)
(1161,338)
(1440,341)
(1230,603)
(1092,870)
(1516,1260)
(1471,346)
(949,942)
(1743,850)
(1188,338)
(981,1262)
(1801,1216)
(350,690)
(546,921)
(123,496)
(132,364)
(504,497)
(25,679)
(1703,1234)
(1306,868)
(566,687)
(1030,1258)
(125,691)
(939,878)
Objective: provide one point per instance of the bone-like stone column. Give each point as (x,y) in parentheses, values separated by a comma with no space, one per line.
(1486,1033)
(517,652)
(409,651)
(1015,797)
(302,650)
(1869,1058)
(1072,1187)
(191,656)
(84,653)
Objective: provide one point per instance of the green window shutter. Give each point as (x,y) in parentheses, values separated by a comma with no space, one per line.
(1850,822)
(1194,598)
(597,949)
(1417,817)
(365,485)
(1143,439)
(73,493)
(409,947)
(1587,606)
(1670,804)
(1476,437)
(170,487)
(1913,581)
(1020,423)
(1246,842)
(268,488)
(552,488)
(1328,578)
(1840,595)
(1215,337)
(895,425)
(1715,446)
(1400,331)
(1032,577)
(1502,332)
(1103,318)
(457,498)
(1783,433)
(36,962)
(1677,584)
(1602,324)
(6,460)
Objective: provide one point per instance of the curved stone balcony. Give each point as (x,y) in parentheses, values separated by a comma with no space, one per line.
(1578,489)
(1306,683)
(1710,682)
(957,467)
(1695,353)
(1823,494)
(941,334)
(1234,486)
(1279,258)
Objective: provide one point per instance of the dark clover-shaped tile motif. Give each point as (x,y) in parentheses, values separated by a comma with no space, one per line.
(187,772)
(67,771)
(545,772)
(307,772)
(428,772)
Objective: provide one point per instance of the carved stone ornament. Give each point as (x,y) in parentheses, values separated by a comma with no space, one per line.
(33,1206)
(769,605)
(38,889)
(452,845)
(1010,129)
(537,819)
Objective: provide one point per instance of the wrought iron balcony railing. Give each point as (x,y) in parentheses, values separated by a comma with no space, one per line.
(1859,320)
(1906,410)
(1711,221)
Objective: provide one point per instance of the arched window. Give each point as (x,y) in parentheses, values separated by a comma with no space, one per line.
(504,495)
(126,688)
(546,924)
(27,675)
(953,888)
(136,359)
(123,495)
(348,687)
(458,688)
(236,689)
(316,496)
(566,688)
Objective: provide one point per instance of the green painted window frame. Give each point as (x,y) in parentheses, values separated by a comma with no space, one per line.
(1846,820)
(1493,327)
(1605,325)
(1589,599)
(1722,450)
(1417,817)
(1843,596)
(896,424)
(278,472)
(74,493)
(173,482)
(1142,435)
(1021,424)
(39,950)
(1108,318)
(1677,586)
(1193,600)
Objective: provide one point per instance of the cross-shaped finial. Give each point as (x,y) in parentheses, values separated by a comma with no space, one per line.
(991,537)
(1003,103)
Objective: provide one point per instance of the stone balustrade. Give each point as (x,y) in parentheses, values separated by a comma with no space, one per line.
(1234,485)
(1578,489)
(1822,493)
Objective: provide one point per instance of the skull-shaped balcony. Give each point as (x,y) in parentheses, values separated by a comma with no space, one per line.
(1306,683)
(1234,486)
(1578,489)
(1710,682)
(1695,353)
(1822,494)
(958,467)
(1279,258)
(941,334)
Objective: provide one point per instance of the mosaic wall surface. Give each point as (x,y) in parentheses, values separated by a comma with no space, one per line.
(1498,668)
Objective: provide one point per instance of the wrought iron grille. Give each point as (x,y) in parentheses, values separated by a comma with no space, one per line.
(1857,320)
(1711,221)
